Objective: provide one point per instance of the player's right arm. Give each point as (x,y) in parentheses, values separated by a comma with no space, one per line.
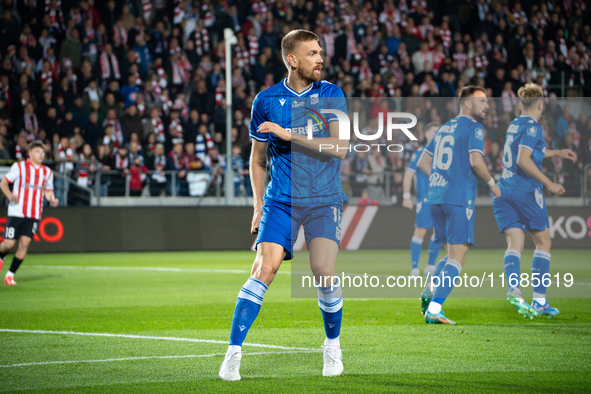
(258,175)
(525,162)
(258,159)
(426,159)
(4,186)
(10,176)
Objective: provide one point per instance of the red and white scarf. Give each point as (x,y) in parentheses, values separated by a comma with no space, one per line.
(105,70)
(201,42)
(158,129)
(175,126)
(31,123)
(253,45)
(120,32)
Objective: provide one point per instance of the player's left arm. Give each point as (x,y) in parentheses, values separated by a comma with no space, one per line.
(563,153)
(49,191)
(479,166)
(51,198)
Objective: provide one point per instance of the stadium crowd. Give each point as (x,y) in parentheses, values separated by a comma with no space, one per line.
(137,87)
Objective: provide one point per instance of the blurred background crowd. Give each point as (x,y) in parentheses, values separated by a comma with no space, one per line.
(129,96)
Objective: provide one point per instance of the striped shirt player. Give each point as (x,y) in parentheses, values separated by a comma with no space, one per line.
(30,180)
(305,190)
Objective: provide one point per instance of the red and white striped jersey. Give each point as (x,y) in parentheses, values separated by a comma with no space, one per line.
(29,183)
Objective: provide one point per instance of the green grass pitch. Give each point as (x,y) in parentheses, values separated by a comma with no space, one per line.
(386,345)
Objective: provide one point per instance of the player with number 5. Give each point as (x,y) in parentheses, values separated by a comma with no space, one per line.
(522,205)
(30,179)
(452,160)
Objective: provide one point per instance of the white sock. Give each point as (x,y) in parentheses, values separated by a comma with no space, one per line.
(10,274)
(541,301)
(434,307)
(332,342)
(232,350)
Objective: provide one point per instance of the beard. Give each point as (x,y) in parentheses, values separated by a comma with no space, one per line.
(479,116)
(308,77)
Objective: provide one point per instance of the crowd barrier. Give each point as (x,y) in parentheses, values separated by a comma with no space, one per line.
(104,229)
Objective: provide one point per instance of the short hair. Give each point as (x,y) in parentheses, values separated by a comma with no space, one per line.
(529,94)
(36,144)
(291,39)
(469,91)
(432,124)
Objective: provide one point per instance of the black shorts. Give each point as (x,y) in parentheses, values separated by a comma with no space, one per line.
(15,227)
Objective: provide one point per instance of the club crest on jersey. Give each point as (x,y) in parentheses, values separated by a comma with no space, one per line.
(540,198)
(282,101)
(531,131)
(314,99)
(469,213)
(480,134)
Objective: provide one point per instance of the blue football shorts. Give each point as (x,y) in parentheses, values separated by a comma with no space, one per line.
(423,218)
(280,224)
(453,224)
(521,209)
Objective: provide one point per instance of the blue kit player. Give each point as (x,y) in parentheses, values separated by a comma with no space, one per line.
(522,206)
(423,220)
(305,189)
(452,160)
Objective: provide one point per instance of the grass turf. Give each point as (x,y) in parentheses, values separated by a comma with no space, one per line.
(387,347)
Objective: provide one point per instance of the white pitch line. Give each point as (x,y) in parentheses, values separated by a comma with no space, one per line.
(142,358)
(128,336)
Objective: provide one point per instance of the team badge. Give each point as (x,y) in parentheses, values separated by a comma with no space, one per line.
(314,99)
(480,134)
(540,198)
(531,131)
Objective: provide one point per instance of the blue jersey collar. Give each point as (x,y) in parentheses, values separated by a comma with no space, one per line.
(294,92)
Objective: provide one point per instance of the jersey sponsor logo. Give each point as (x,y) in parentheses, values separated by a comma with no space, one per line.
(507,174)
(480,134)
(469,213)
(31,186)
(297,104)
(282,101)
(540,198)
(437,180)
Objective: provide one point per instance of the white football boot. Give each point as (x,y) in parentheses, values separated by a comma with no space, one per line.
(230,369)
(333,364)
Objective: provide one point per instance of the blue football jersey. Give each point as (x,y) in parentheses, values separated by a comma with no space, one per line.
(299,176)
(422,178)
(523,132)
(452,180)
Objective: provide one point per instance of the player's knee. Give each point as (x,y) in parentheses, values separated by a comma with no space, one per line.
(8,243)
(264,270)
